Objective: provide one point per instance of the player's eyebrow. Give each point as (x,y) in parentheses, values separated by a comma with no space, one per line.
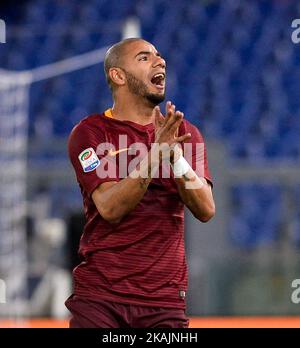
(147,53)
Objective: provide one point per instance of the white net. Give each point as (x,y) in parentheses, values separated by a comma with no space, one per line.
(13,153)
(14,98)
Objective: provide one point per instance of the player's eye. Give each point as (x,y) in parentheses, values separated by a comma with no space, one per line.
(144,58)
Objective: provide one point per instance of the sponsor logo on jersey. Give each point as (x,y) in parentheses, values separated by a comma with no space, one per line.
(113,153)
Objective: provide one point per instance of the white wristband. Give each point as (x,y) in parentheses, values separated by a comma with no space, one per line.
(180,167)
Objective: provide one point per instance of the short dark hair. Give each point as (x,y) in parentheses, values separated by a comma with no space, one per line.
(113,57)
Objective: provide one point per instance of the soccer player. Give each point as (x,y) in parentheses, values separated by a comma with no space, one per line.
(133,272)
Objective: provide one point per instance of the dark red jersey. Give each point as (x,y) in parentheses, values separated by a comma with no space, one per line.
(140,260)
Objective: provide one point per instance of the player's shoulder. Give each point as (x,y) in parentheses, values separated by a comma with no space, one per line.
(189,127)
(88,124)
(89,121)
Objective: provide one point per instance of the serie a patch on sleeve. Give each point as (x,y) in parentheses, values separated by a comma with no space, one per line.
(89,160)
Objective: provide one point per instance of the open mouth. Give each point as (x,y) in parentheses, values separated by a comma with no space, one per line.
(158,80)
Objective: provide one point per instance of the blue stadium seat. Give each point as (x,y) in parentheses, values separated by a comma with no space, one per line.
(295,224)
(256,215)
(229,63)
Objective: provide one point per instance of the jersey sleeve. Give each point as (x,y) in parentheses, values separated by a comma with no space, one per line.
(87,160)
(196,154)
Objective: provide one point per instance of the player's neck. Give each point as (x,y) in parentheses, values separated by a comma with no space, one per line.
(132,110)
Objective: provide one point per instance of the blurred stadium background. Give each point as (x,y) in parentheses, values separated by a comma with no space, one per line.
(234,71)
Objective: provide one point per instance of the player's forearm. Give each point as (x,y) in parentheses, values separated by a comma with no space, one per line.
(196,194)
(121,198)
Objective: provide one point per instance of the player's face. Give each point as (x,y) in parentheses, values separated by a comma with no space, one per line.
(145,71)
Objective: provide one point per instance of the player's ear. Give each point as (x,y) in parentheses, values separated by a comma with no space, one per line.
(117,76)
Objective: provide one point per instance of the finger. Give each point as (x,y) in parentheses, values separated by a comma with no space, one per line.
(156,116)
(172,109)
(161,118)
(175,118)
(183,137)
(168,112)
(177,130)
(175,122)
(168,105)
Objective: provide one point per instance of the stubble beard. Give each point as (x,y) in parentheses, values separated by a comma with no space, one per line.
(139,88)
